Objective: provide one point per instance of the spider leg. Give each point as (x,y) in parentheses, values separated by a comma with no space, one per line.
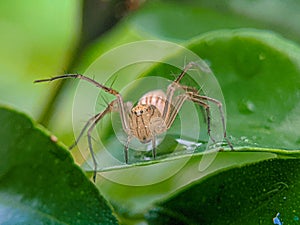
(200,100)
(126,148)
(178,102)
(120,101)
(95,120)
(82,77)
(184,71)
(189,89)
(92,151)
(88,123)
(171,89)
(207,109)
(172,107)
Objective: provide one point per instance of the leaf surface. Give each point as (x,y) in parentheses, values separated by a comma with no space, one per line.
(39,182)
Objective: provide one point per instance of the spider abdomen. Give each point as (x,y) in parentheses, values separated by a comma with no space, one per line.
(156,98)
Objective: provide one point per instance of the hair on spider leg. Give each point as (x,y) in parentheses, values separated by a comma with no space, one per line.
(83,136)
(113,81)
(94,139)
(174,75)
(189,64)
(185,62)
(104,100)
(202,65)
(87,124)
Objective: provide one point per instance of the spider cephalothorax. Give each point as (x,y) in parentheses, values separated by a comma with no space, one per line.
(145,120)
(154,114)
(140,122)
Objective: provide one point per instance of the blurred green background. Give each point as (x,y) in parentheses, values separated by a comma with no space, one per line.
(37,38)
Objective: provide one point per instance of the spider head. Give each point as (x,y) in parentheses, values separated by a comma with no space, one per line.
(141,109)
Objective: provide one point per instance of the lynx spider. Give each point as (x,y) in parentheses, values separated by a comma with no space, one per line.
(154,114)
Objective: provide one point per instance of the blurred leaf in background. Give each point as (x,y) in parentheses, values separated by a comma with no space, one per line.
(37,39)
(253,49)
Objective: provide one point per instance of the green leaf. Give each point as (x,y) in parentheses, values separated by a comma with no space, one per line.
(39,182)
(253,194)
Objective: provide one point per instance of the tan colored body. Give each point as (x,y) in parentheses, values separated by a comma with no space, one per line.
(145,119)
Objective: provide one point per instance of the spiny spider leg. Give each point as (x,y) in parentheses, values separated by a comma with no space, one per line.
(184,71)
(171,89)
(99,116)
(207,109)
(175,108)
(82,77)
(126,148)
(200,98)
(170,112)
(120,102)
(87,124)
(189,89)
(178,104)
(94,120)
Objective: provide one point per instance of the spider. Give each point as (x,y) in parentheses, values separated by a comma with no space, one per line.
(154,113)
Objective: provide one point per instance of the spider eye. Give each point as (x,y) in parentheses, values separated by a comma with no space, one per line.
(141,111)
